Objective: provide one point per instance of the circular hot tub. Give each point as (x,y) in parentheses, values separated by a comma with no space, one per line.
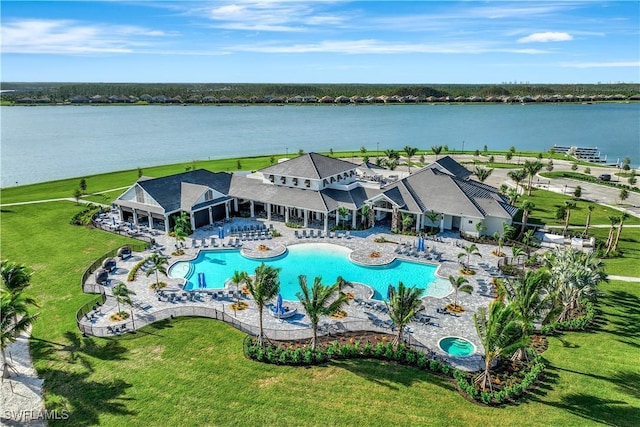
(457,346)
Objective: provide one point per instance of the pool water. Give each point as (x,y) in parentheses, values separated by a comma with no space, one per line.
(313,260)
(456,346)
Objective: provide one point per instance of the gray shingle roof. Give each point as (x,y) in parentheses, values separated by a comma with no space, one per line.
(310,166)
(451,166)
(167,191)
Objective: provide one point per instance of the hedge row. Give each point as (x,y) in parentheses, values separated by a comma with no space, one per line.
(511,392)
(134,271)
(580,323)
(85,216)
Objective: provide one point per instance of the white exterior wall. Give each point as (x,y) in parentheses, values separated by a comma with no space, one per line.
(447,222)
(494,224)
(468,225)
(130,195)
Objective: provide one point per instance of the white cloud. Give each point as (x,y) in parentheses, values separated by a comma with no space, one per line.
(621,64)
(546,37)
(39,36)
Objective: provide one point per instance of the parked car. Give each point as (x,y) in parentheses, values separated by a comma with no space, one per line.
(604,177)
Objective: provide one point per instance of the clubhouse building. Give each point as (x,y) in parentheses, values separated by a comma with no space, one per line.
(321,192)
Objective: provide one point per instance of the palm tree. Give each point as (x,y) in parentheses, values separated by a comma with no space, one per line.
(263,287)
(529,298)
(508,231)
(613,220)
(513,196)
(575,276)
(585,233)
(407,220)
(528,238)
(364,214)
(410,151)
(500,240)
(319,301)
(568,205)
(402,307)
(500,332)
(459,284)
(157,265)
(482,174)
(516,251)
(392,154)
(480,227)
(121,294)
(182,224)
(517,175)
(391,164)
(343,212)
(527,207)
(468,251)
(433,217)
(624,216)
(437,149)
(237,278)
(15,319)
(532,168)
(15,277)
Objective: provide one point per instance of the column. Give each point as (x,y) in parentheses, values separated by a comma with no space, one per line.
(192,220)
(305,215)
(227,210)
(268,211)
(354,218)
(150,221)
(235,205)
(286,214)
(326,222)
(337,218)
(210,214)
(166,224)
(135,217)
(418,222)
(251,209)
(441,223)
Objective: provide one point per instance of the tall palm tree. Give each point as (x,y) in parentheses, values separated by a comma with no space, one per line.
(529,298)
(364,214)
(568,205)
(410,152)
(182,224)
(157,266)
(500,239)
(527,207)
(437,149)
(517,175)
(590,208)
(121,294)
(500,332)
(263,287)
(482,173)
(392,154)
(402,306)
(459,284)
(613,220)
(319,300)
(14,319)
(528,238)
(15,277)
(624,216)
(532,168)
(472,249)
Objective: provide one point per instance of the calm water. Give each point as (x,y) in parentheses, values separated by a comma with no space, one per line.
(313,260)
(46,143)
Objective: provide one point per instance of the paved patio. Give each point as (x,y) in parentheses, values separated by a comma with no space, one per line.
(363,313)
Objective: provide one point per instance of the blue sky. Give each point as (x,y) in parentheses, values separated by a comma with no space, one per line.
(321,42)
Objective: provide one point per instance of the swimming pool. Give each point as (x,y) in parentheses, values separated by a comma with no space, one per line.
(457,346)
(311,259)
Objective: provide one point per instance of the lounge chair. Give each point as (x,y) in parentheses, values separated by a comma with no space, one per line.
(347,234)
(320,235)
(304,234)
(312,234)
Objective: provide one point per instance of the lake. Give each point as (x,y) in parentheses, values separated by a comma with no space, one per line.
(53,142)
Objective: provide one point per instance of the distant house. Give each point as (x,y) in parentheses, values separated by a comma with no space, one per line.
(311,189)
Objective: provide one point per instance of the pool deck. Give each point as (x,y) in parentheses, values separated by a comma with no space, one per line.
(362,312)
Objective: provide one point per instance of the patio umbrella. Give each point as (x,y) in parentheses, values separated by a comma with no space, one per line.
(279,307)
(389,290)
(130,225)
(113,220)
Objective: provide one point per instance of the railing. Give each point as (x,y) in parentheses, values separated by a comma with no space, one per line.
(91,288)
(91,306)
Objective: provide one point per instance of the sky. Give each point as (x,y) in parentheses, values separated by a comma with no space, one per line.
(244,41)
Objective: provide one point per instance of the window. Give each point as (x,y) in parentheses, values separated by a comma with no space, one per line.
(295,181)
(470,221)
(283,179)
(139,194)
(307,183)
(208,196)
(271,178)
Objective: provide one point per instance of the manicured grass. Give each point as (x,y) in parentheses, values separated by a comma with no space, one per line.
(546,203)
(193,372)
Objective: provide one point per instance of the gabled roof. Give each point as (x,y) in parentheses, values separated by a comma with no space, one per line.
(167,191)
(431,189)
(310,166)
(450,166)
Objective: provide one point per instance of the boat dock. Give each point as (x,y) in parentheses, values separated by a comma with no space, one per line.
(587,154)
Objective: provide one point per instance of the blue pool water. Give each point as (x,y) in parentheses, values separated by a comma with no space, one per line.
(313,259)
(457,346)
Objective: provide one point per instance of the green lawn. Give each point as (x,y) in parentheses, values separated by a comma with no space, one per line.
(192,371)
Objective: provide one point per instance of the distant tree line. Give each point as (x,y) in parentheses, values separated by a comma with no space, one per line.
(61,92)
